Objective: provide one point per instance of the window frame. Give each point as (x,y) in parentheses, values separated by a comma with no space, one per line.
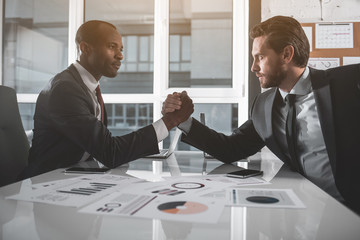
(237,94)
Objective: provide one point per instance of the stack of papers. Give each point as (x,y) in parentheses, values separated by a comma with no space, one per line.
(192,199)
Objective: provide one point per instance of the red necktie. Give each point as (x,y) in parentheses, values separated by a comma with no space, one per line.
(101,101)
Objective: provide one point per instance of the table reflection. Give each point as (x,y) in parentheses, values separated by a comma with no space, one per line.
(323,217)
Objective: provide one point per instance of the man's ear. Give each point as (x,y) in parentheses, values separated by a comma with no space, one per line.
(85,48)
(288,53)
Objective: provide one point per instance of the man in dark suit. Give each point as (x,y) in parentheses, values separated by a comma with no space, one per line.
(322,142)
(70,118)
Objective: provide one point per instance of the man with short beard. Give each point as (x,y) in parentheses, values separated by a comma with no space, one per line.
(319,139)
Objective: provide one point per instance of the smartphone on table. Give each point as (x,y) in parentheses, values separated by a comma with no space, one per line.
(244,173)
(87,170)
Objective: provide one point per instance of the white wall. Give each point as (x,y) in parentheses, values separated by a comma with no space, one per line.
(310,11)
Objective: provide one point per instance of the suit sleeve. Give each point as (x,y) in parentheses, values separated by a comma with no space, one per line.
(70,111)
(245,142)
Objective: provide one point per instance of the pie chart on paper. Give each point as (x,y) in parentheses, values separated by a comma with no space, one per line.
(182,207)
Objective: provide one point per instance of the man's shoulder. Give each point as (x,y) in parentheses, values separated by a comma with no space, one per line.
(266,94)
(63,83)
(352,68)
(343,77)
(346,67)
(66,77)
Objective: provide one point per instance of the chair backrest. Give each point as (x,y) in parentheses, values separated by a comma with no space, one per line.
(14,145)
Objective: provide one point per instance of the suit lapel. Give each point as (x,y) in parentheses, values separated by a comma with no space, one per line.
(322,95)
(271,141)
(269,104)
(81,83)
(78,79)
(105,116)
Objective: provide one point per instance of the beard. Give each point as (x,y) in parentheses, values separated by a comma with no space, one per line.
(272,79)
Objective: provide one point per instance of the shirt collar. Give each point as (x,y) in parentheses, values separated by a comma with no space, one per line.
(302,87)
(87,78)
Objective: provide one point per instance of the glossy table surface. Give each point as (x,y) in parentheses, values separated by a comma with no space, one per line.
(323,217)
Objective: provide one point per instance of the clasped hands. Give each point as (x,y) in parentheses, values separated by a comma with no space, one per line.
(176,109)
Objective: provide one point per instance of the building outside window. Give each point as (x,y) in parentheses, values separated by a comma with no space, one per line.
(35,48)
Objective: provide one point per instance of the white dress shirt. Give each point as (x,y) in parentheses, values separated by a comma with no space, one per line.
(91,83)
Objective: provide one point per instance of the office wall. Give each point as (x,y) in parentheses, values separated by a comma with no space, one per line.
(310,10)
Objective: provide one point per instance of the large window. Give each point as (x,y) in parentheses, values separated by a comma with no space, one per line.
(169,45)
(35,48)
(135,21)
(222,116)
(200,43)
(35,38)
(124,118)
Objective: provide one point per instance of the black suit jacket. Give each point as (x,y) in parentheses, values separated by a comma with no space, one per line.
(337,97)
(65,127)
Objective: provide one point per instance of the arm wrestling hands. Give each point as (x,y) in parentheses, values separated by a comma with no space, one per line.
(176,109)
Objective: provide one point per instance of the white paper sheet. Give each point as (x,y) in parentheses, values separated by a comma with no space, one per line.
(338,35)
(216,184)
(308,33)
(75,192)
(178,186)
(267,198)
(232,182)
(323,63)
(350,60)
(128,204)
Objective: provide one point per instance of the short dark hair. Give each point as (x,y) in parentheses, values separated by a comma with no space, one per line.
(90,32)
(282,31)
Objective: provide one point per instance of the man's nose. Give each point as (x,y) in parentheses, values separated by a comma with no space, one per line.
(119,55)
(254,67)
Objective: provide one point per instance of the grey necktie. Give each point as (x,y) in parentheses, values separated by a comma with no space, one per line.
(291,133)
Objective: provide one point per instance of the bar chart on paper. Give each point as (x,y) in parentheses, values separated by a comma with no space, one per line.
(87,189)
(74,192)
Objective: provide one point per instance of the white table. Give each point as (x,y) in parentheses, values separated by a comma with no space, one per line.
(323,217)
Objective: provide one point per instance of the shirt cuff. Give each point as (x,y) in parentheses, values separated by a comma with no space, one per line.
(160,129)
(185,126)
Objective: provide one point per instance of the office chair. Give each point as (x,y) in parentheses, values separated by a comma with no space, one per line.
(14,145)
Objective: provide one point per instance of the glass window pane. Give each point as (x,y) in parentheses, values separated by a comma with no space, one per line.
(131,48)
(130,110)
(151,50)
(27,111)
(185,48)
(205,45)
(135,22)
(35,37)
(135,116)
(144,49)
(174,48)
(222,117)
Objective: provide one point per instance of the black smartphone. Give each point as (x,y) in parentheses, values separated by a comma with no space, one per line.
(86,170)
(245,173)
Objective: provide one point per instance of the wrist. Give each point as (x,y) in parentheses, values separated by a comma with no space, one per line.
(169,122)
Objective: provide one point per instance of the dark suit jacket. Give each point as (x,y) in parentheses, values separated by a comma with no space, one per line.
(65,127)
(337,96)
